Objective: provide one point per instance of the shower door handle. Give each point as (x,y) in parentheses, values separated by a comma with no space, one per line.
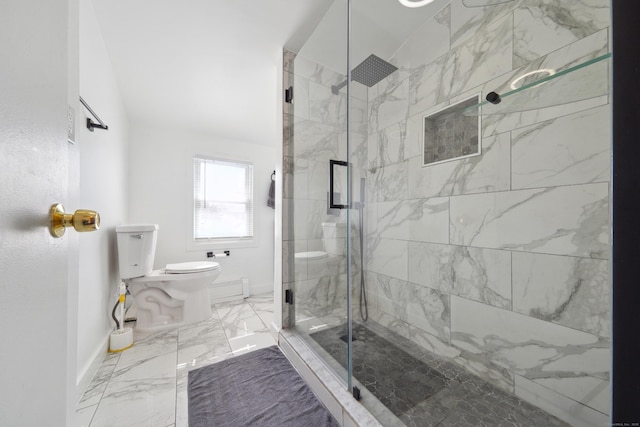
(332,204)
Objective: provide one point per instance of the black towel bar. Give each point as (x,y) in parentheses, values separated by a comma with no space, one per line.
(90,123)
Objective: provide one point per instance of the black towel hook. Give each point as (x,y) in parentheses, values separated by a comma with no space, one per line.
(273,176)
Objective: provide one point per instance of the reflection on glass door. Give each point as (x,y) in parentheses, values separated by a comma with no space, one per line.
(315,196)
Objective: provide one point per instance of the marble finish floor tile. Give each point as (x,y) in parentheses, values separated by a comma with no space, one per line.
(85,415)
(422,389)
(146,385)
(252,341)
(263,308)
(137,403)
(98,384)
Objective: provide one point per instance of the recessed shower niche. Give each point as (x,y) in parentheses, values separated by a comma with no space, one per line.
(448,134)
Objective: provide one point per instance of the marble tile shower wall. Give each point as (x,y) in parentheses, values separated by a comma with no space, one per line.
(499,261)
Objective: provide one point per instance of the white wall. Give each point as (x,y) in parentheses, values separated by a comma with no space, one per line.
(103,187)
(160,191)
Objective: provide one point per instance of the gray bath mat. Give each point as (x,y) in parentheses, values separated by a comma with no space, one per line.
(260,388)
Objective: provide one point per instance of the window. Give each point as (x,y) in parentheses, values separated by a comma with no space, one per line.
(223,199)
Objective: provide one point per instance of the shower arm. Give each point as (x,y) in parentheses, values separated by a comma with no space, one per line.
(336,88)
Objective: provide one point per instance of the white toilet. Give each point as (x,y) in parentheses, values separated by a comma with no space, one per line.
(316,264)
(174,296)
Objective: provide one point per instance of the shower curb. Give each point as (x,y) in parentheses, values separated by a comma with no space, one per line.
(334,395)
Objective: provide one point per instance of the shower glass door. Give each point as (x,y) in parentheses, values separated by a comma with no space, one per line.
(315,188)
(479,243)
(388,371)
(446,208)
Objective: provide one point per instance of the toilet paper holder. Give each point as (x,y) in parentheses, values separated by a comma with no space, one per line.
(81,220)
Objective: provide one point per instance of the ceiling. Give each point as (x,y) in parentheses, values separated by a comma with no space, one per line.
(211,66)
(377,26)
(206,66)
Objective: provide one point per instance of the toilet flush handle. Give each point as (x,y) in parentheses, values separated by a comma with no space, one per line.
(81,220)
(137,236)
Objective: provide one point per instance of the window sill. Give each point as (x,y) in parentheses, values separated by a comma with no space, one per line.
(193,246)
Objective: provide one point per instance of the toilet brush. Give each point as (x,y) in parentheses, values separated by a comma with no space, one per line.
(122,338)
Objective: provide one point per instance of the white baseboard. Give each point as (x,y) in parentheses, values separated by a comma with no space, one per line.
(261,288)
(230,290)
(86,375)
(237,289)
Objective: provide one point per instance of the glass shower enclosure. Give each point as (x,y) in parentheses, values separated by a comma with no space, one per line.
(446,208)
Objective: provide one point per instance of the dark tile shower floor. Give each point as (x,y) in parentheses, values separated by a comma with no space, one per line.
(427,390)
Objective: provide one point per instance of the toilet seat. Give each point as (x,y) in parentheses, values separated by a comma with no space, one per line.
(308,256)
(191,267)
(186,273)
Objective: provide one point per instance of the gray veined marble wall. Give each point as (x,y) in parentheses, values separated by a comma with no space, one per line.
(499,261)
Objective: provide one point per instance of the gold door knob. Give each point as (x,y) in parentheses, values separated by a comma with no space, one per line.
(81,220)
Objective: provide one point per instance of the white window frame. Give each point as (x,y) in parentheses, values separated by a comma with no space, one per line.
(201,244)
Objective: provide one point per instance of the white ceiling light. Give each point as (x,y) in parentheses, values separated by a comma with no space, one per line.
(415,3)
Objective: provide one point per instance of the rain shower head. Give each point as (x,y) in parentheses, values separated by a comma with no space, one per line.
(369,72)
(372,70)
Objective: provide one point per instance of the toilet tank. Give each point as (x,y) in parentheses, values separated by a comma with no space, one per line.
(136,249)
(334,237)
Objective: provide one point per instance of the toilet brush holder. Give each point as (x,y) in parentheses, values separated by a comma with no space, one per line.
(120,339)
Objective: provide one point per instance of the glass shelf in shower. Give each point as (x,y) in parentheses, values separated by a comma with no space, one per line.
(589,79)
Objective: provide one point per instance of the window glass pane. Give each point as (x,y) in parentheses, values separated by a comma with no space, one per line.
(223,192)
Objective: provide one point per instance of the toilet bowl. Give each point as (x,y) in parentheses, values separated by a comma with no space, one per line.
(173,296)
(311,264)
(176,295)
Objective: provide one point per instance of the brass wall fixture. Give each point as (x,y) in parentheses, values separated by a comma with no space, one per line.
(81,220)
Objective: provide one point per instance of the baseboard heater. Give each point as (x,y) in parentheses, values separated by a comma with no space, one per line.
(226,291)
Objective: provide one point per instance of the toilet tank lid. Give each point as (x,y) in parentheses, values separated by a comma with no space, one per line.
(132,228)
(310,255)
(334,224)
